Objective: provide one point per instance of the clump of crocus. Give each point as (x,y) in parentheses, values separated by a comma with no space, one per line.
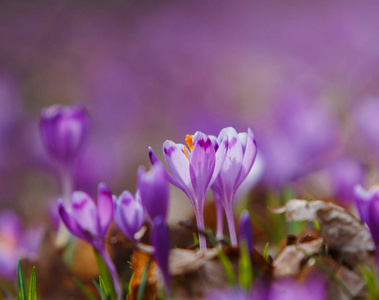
(194,170)
(129,214)
(90,222)
(245,230)
(368,206)
(16,243)
(240,157)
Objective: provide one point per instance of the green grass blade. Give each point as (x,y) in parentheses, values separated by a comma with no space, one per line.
(103,286)
(105,275)
(371,281)
(22,289)
(245,274)
(84,289)
(265,251)
(100,290)
(33,285)
(225,261)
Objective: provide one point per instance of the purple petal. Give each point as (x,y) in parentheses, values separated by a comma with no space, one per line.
(249,146)
(222,149)
(71,223)
(171,179)
(245,230)
(153,189)
(105,208)
(231,168)
(202,166)
(179,165)
(129,215)
(84,212)
(363,199)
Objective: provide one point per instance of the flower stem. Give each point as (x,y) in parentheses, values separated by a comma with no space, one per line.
(63,235)
(199,214)
(230,219)
(219,220)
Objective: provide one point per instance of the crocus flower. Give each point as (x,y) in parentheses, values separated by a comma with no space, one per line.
(343,175)
(63,130)
(16,243)
(160,240)
(153,188)
(245,230)
(129,214)
(194,168)
(90,222)
(368,206)
(240,157)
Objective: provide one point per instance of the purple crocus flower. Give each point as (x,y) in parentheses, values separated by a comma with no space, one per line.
(343,175)
(194,169)
(90,222)
(240,157)
(63,130)
(16,243)
(160,240)
(153,188)
(368,206)
(245,230)
(129,214)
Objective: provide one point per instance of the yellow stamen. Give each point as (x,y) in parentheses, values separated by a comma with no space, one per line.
(189,141)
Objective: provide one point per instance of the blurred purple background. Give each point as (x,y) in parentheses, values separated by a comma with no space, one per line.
(302,75)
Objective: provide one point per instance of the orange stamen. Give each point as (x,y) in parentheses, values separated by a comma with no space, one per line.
(189,141)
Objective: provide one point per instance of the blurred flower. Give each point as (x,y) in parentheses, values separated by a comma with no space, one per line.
(90,222)
(15,243)
(314,288)
(63,131)
(129,214)
(343,175)
(368,206)
(195,169)
(239,159)
(245,230)
(300,138)
(160,240)
(153,189)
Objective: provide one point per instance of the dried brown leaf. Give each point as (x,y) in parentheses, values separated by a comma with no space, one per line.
(339,228)
(293,258)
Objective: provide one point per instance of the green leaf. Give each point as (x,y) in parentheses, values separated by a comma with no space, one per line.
(371,281)
(195,238)
(128,287)
(317,225)
(22,289)
(103,286)
(33,285)
(228,268)
(144,279)
(245,267)
(100,290)
(265,251)
(105,275)
(84,289)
